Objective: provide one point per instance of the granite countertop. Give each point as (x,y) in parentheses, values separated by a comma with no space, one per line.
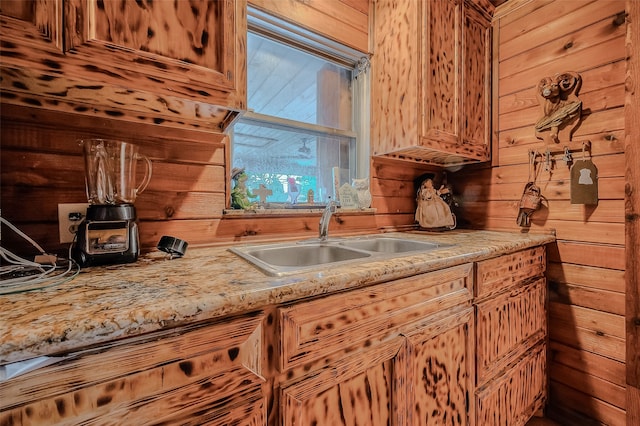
(107,303)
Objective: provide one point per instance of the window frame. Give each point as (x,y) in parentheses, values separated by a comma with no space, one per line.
(281,31)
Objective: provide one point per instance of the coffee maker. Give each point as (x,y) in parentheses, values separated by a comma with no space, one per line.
(109,232)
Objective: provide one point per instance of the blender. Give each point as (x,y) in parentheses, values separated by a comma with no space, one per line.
(109,233)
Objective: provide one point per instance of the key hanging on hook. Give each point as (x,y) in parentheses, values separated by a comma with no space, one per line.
(547,160)
(567,157)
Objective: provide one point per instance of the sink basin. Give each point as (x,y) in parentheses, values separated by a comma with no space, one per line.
(292,258)
(305,255)
(280,259)
(389,245)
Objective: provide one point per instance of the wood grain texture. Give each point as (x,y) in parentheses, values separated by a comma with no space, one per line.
(587,270)
(514,396)
(364,388)
(317,328)
(499,274)
(632,212)
(195,375)
(505,323)
(441,371)
(141,61)
(423,110)
(42,166)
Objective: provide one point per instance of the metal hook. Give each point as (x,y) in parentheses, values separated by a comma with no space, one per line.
(567,158)
(547,160)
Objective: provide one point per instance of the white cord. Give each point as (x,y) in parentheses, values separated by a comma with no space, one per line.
(22,234)
(46,277)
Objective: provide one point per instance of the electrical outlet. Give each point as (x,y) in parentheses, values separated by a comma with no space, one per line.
(67,222)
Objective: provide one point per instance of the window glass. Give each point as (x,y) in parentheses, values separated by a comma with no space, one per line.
(298,133)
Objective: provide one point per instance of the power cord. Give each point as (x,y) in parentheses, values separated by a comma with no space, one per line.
(45,270)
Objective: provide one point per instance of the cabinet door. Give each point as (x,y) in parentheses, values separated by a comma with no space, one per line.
(197,375)
(512,398)
(476,95)
(441,371)
(441,76)
(508,325)
(29,24)
(456,89)
(366,388)
(190,49)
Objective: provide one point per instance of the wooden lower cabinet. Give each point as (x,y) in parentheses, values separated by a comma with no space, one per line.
(511,333)
(397,353)
(440,379)
(366,388)
(513,397)
(197,375)
(411,352)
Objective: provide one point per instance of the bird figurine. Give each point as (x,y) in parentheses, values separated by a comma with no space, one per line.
(294,191)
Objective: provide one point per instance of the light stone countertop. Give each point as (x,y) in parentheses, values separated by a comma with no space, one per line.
(107,303)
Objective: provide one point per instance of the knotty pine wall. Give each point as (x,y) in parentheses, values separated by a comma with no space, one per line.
(534,39)
(42,165)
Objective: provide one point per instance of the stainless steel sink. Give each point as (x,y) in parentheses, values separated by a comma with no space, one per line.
(292,258)
(389,245)
(280,259)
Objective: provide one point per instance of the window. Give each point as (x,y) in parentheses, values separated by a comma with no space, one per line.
(307,104)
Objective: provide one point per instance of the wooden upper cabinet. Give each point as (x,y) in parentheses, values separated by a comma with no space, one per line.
(31,22)
(180,62)
(431,81)
(180,43)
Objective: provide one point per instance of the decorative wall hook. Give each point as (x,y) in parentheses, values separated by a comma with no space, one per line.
(560,153)
(561,108)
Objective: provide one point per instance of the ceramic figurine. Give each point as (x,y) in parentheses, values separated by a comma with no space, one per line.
(364,196)
(294,191)
(432,211)
(240,194)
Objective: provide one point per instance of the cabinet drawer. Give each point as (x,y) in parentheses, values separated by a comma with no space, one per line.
(500,273)
(513,397)
(314,329)
(192,374)
(509,324)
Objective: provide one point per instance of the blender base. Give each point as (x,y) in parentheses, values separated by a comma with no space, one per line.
(108,235)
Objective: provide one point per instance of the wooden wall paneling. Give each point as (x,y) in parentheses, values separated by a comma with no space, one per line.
(596,100)
(603,256)
(591,39)
(599,300)
(593,80)
(588,276)
(607,52)
(586,271)
(632,211)
(42,166)
(579,408)
(607,369)
(600,389)
(602,323)
(572,16)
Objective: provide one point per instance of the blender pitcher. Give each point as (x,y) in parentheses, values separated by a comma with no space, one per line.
(110,171)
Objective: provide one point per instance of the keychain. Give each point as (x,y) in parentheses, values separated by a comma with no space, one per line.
(531,197)
(584,181)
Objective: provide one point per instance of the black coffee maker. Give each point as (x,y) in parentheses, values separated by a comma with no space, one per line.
(109,233)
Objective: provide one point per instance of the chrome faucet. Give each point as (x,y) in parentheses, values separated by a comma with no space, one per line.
(324,220)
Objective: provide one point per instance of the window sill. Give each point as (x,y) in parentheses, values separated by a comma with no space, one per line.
(292,210)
